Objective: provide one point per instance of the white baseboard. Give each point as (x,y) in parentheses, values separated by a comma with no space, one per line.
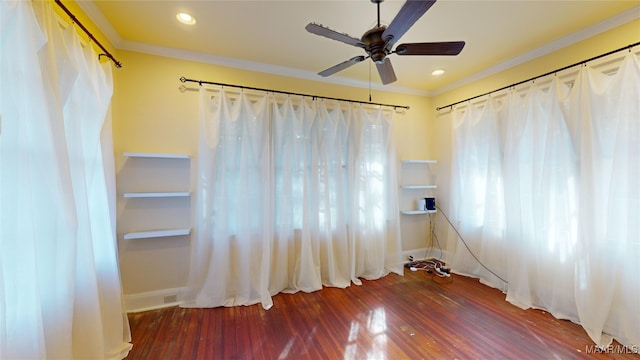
(158,299)
(418,254)
(152,300)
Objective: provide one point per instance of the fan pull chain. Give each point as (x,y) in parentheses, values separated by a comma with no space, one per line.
(369,81)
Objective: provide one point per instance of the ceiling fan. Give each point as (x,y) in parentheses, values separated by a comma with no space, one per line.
(378,41)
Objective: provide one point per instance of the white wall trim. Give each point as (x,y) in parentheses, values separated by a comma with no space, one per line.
(96,16)
(419,254)
(152,300)
(561,43)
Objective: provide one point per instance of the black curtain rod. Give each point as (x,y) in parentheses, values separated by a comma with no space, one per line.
(183,79)
(106,53)
(539,76)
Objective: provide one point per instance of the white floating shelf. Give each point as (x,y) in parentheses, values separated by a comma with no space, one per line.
(419,186)
(156,194)
(157,233)
(156,155)
(420,161)
(417,212)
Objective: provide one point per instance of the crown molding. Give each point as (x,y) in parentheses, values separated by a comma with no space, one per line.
(112,35)
(259,67)
(601,27)
(114,38)
(98,19)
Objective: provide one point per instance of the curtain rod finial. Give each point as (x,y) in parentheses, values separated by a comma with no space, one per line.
(116,63)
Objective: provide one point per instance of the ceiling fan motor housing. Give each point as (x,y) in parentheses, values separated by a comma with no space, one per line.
(374,45)
(379,41)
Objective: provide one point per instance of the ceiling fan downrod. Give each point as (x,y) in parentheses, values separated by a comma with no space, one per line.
(372,39)
(378,3)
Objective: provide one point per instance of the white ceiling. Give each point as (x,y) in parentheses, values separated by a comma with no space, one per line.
(269,36)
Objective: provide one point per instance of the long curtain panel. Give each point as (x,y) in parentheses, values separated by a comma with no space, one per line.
(293,195)
(546,194)
(60,293)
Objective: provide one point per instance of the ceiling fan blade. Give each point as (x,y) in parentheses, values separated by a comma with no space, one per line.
(332,34)
(431,48)
(385,70)
(410,12)
(343,65)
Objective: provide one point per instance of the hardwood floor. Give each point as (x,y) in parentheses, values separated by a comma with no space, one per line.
(417,316)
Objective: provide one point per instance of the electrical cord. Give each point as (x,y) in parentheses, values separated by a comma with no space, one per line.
(433,267)
(434,236)
(467,246)
(445,280)
(427,265)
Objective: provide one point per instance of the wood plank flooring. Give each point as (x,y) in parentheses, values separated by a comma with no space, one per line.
(416,316)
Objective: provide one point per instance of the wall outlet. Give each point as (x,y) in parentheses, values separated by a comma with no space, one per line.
(170,299)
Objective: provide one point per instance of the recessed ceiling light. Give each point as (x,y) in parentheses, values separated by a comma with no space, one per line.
(186,18)
(437,72)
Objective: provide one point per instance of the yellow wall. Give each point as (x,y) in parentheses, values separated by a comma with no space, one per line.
(154,112)
(602,43)
(151,113)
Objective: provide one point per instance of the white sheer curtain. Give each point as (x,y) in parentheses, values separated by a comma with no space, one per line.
(60,294)
(477,203)
(546,193)
(291,196)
